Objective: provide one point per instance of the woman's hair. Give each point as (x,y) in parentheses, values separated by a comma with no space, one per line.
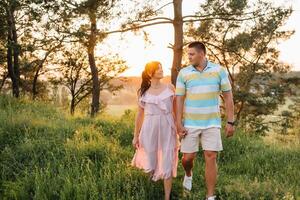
(149,70)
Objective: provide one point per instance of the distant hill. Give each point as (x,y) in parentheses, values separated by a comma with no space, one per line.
(293,74)
(127,95)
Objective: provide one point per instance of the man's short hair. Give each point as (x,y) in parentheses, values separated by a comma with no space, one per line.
(198,45)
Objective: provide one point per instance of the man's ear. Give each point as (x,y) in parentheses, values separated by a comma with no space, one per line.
(202,53)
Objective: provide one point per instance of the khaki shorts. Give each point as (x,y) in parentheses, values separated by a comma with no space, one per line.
(210,140)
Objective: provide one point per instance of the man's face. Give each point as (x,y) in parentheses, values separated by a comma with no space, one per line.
(195,56)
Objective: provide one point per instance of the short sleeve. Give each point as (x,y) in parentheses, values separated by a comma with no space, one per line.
(224,83)
(140,102)
(180,85)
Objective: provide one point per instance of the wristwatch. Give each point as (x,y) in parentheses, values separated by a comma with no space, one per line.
(231,123)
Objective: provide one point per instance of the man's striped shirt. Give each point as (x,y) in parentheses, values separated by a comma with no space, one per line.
(202,90)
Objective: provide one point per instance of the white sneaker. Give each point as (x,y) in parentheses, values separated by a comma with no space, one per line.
(187,182)
(211,198)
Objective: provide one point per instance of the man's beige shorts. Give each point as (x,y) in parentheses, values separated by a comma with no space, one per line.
(210,140)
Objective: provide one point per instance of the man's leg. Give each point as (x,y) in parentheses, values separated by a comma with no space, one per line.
(188,162)
(211,144)
(210,171)
(189,147)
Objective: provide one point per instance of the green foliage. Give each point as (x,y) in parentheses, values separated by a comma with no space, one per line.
(242,37)
(290,119)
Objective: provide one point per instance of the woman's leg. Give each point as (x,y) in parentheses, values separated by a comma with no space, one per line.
(168,187)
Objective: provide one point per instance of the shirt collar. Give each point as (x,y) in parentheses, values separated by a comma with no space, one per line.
(207,66)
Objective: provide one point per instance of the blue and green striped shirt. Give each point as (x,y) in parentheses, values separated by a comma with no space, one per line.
(202,91)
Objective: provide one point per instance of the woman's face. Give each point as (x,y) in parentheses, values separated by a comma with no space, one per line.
(159,73)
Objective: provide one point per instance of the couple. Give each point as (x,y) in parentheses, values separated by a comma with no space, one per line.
(190,112)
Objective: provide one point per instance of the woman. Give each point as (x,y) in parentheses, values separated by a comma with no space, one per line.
(155,137)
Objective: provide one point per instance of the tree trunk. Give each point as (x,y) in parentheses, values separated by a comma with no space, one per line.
(10,67)
(72,108)
(95,79)
(34,83)
(12,72)
(16,50)
(178,40)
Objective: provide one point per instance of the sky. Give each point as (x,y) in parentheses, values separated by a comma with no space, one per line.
(133,49)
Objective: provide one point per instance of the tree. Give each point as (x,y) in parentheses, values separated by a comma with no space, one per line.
(95,12)
(21,16)
(13,48)
(40,51)
(247,50)
(3,68)
(90,34)
(152,15)
(39,43)
(75,74)
(290,118)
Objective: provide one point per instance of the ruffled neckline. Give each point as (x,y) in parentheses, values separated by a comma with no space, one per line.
(164,94)
(158,99)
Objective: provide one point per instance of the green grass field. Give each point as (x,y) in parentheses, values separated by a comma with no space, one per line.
(46,154)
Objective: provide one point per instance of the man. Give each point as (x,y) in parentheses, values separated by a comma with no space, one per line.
(198,114)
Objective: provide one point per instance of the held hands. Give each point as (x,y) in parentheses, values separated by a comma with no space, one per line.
(229,130)
(181,131)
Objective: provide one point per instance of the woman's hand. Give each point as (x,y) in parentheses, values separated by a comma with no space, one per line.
(135,142)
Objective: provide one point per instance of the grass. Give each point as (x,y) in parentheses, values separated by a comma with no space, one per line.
(46,154)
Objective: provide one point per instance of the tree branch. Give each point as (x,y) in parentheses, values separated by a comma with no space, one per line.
(221,18)
(163,6)
(152,19)
(137,27)
(218,14)
(82,97)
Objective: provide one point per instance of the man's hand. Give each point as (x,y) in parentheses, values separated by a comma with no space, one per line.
(181,131)
(229,130)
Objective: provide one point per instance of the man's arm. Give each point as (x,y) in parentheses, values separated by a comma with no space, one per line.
(179,109)
(229,108)
(180,96)
(179,114)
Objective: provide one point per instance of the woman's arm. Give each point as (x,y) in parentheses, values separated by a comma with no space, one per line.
(138,125)
(174,101)
(138,121)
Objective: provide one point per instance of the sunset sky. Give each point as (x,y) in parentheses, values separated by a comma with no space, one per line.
(136,52)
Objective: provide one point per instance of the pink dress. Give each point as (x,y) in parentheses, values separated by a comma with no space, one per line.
(158,142)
